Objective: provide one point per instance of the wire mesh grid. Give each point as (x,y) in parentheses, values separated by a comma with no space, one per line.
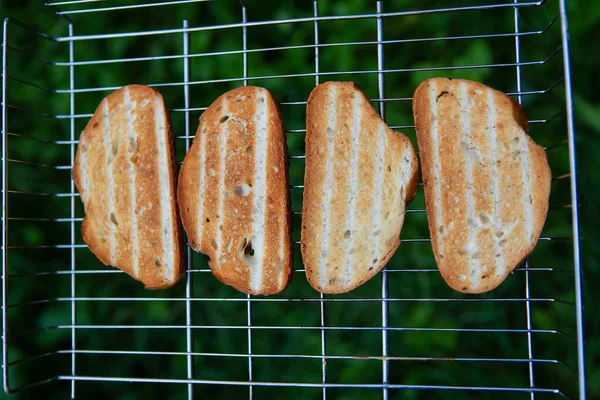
(71,324)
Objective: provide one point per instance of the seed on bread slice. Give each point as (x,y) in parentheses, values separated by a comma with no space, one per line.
(125,172)
(486,181)
(233,192)
(359,177)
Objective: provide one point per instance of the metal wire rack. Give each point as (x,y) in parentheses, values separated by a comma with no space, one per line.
(75,327)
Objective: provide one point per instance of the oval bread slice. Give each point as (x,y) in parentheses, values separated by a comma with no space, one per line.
(125,172)
(233,192)
(486,181)
(359,177)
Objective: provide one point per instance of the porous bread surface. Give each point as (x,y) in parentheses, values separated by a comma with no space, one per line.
(359,177)
(486,182)
(125,172)
(234,195)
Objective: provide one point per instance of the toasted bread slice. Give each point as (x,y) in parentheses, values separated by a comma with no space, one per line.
(233,192)
(359,177)
(486,181)
(125,172)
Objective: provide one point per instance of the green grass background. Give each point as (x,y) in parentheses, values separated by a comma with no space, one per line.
(418,278)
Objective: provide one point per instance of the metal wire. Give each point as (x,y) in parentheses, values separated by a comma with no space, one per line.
(299,20)
(385,347)
(293,356)
(189,281)
(294,327)
(72,200)
(192,297)
(248,297)
(297,384)
(5,338)
(328,73)
(527,278)
(118,8)
(296,47)
(322,297)
(574,199)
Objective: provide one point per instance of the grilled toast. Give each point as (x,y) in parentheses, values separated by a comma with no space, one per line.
(125,172)
(486,181)
(233,192)
(359,177)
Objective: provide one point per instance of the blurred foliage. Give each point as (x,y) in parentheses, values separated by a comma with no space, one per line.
(42,137)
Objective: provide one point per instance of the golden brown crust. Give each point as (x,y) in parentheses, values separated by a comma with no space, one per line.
(475,196)
(359,176)
(118,162)
(225,205)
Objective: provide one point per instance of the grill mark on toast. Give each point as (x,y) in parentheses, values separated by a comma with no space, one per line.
(350,269)
(109,182)
(471,245)
(222,138)
(168,245)
(512,229)
(447,176)
(132,136)
(483,162)
(437,167)
(199,220)
(339,233)
(368,160)
(280,266)
(120,218)
(325,208)
(149,217)
(526,177)
(378,167)
(314,181)
(233,223)
(495,187)
(259,198)
(276,209)
(239,244)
